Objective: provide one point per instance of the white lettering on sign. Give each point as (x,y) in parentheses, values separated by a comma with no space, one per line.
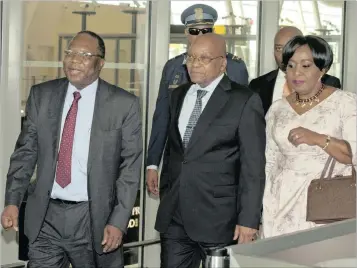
(133,223)
(135,211)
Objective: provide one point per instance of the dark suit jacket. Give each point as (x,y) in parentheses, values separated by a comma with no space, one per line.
(219,178)
(175,74)
(114,160)
(264,86)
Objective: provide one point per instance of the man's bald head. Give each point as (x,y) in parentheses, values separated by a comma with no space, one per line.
(206,59)
(283,36)
(287,32)
(213,42)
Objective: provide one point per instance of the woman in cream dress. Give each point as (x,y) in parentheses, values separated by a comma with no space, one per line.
(303,130)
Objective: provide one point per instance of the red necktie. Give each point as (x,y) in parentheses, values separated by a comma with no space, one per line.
(64,164)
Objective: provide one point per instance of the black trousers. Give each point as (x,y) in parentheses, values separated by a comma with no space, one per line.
(179,251)
(65,238)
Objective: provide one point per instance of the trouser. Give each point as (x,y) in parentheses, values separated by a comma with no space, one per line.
(179,251)
(66,238)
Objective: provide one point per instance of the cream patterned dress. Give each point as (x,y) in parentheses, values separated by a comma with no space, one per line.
(289,169)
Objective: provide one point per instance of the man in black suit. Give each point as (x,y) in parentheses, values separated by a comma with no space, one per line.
(216,163)
(271,86)
(198,19)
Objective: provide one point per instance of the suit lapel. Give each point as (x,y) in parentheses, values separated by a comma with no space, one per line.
(55,110)
(179,102)
(267,91)
(215,104)
(272,78)
(100,116)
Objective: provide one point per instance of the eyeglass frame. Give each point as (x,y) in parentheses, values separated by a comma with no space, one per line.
(81,54)
(278,48)
(200,59)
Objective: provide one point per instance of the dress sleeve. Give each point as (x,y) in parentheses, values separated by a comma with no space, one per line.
(272,151)
(349,123)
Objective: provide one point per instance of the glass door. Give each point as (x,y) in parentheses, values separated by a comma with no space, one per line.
(237,22)
(322,18)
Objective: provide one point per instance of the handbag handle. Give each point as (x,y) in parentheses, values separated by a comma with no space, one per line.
(327,165)
(332,167)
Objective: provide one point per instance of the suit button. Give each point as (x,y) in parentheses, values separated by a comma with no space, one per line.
(49,193)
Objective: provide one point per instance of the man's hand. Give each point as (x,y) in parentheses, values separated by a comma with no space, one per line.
(245,234)
(152,178)
(112,238)
(9,217)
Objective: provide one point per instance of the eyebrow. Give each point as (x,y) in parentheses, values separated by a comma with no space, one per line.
(199,55)
(309,60)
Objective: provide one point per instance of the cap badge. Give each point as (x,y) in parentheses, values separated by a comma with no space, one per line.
(199,13)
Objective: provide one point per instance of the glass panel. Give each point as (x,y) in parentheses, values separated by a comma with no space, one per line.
(237,21)
(323,18)
(48,28)
(0,32)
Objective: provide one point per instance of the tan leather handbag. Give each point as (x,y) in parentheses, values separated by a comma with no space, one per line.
(331,199)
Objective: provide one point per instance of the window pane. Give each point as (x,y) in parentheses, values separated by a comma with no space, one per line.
(322,18)
(50,25)
(237,21)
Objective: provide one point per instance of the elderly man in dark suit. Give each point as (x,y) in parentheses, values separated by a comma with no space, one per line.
(272,86)
(85,137)
(215,167)
(198,19)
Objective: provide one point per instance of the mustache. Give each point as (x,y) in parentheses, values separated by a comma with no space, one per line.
(74,68)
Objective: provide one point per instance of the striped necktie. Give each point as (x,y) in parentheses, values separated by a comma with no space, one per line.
(195,115)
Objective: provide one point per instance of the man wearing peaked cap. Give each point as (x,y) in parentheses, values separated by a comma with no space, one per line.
(198,19)
(199,15)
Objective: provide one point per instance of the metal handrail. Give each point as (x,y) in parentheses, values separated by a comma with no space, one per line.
(141,243)
(14,265)
(127,245)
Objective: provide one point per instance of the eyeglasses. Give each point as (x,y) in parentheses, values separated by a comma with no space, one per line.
(278,48)
(200,60)
(83,55)
(196,31)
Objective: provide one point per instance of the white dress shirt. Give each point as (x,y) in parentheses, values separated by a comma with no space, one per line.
(189,103)
(77,189)
(279,86)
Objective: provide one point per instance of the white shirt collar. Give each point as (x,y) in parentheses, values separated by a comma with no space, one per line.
(281,74)
(88,90)
(210,87)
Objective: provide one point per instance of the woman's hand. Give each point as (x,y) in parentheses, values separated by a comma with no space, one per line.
(302,135)
(338,149)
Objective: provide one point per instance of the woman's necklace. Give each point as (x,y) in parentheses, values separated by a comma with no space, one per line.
(311,100)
